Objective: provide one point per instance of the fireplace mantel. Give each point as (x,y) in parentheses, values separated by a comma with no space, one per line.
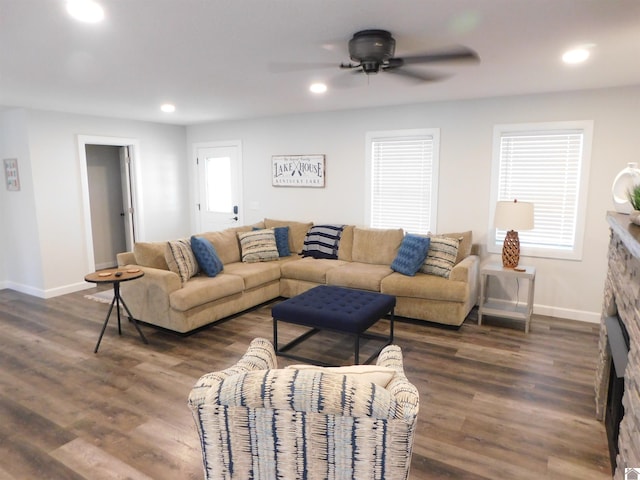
(628,232)
(622,298)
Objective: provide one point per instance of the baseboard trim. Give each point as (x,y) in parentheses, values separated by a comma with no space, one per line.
(568,313)
(549,311)
(53,292)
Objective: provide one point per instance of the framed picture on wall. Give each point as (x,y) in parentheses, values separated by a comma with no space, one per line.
(11,174)
(297,171)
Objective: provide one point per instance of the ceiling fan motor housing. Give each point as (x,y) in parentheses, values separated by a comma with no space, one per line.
(372,48)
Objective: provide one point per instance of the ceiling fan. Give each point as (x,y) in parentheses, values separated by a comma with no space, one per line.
(373,51)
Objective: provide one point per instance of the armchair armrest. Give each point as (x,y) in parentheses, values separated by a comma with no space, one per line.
(259,356)
(405,393)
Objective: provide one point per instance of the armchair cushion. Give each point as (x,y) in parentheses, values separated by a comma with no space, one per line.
(367,373)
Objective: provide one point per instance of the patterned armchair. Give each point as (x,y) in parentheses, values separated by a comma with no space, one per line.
(257,422)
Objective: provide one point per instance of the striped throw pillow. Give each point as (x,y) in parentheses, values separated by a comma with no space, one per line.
(180,258)
(322,241)
(258,246)
(441,256)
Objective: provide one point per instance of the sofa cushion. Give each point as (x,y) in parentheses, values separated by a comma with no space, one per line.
(200,290)
(378,246)
(181,259)
(441,256)
(365,276)
(297,231)
(322,241)
(466,242)
(226,244)
(258,245)
(254,274)
(150,254)
(206,255)
(381,376)
(423,286)
(345,249)
(310,269)
(411,255)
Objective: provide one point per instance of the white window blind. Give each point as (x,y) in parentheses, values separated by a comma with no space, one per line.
(545,167)
(403,179)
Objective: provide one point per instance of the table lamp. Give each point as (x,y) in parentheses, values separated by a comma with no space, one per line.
(513,216)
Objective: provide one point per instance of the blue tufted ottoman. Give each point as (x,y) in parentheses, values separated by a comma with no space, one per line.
(334,308)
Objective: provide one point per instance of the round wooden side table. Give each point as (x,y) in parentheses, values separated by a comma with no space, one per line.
(116,276)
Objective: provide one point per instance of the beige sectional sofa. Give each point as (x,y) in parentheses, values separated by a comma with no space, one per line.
(161,298)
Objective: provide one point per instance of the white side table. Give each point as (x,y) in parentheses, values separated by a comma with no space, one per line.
(517,311)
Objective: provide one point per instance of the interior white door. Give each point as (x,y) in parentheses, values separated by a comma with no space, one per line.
(127,202)
(220,184)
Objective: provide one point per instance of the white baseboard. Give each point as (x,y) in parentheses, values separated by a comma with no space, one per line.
(53,292)
(567,313)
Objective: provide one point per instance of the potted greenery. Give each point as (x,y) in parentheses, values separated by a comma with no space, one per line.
(634,200)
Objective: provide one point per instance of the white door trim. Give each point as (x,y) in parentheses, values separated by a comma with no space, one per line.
(136,190)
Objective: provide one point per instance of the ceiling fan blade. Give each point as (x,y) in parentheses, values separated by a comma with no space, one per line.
(286,67)
(411,74)
(451,54)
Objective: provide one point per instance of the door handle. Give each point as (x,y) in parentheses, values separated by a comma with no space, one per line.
(234,218)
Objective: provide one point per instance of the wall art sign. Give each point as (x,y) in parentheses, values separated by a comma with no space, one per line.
(297,170)
(11,174)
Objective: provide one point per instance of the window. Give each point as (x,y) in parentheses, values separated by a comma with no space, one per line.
(548,165)
(402,174)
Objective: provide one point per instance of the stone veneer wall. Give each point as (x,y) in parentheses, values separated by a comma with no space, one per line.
(622,294)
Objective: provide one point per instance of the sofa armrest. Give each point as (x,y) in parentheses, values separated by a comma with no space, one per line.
(466,270)
(126,258)
(148,297)
(259,356)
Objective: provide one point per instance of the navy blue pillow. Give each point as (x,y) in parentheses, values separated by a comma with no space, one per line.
(282,240)
(206,256)
(411,255)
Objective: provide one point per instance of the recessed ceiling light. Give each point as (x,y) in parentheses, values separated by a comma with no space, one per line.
(318,88)
(168,108)
(85,10)
(576,55)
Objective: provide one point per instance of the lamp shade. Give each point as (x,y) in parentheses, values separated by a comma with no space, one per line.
(514,215)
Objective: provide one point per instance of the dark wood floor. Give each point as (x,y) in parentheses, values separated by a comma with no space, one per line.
(494,403)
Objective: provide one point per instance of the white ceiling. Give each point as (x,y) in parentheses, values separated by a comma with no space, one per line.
(215,59)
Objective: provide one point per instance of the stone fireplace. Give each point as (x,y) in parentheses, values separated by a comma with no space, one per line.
(622,306)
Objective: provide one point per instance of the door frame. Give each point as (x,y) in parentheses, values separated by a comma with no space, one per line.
(196,176)
(136,190)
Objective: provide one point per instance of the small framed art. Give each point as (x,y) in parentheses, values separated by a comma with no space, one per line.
(11,175)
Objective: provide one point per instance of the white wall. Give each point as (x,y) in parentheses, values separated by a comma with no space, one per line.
(570,289)
(57,244)
(21,262)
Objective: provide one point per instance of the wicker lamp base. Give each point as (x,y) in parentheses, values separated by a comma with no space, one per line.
(511,250)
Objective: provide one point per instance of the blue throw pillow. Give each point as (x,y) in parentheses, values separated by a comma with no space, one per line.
(206,256)
(411,255)
(282,240)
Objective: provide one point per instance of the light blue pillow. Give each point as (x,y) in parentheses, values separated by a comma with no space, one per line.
(206,256)
(411,255)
